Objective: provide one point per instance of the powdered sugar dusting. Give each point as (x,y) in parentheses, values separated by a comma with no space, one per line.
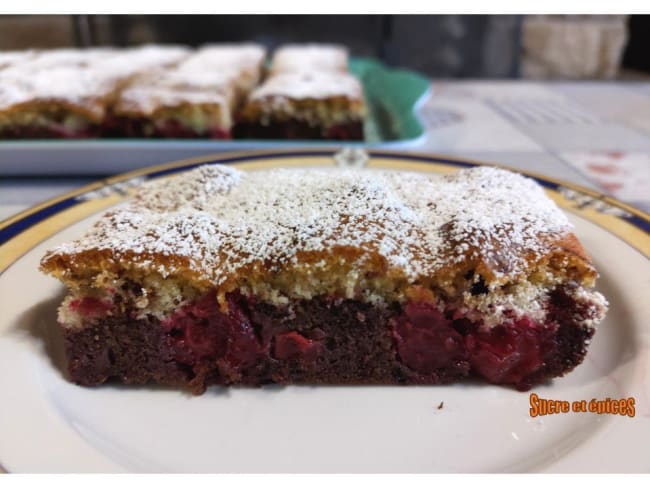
(310,57)
(244,61)
(64,84)
(174,87)
(37,62)
(317,85)
(129,62)
(221,219)
(10,58)
(80,76)
(227,56)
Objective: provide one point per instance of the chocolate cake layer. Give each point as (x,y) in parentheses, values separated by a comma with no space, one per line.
(321,341)
(125,127)
(298,129)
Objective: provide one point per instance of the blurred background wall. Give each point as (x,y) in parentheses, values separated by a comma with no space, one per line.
(443,46)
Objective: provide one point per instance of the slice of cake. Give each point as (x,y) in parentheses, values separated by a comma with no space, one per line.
(292,58)
(315,105)
(59,102)
(175,103)
(220,277)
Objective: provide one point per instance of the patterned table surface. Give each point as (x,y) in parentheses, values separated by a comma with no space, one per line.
(596,134)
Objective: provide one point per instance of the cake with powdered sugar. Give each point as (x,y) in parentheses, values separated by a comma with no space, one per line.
(296,276)
(178,103)
(168,91)
(69,93)
(61,102)
(305,105)
(309,95)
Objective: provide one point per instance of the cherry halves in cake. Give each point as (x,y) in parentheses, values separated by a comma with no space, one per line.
(216,276)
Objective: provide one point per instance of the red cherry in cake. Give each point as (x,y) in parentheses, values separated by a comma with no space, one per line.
(433,345)
(509,354)
(426,341)
(293,345)
(90,307)
(199,331)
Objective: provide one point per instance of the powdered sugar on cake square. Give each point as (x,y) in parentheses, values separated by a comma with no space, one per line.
(310,57)
(65,85)
(316,85)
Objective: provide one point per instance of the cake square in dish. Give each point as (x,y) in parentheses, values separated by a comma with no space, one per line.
(176,103)
(59,102)
(316,105)
(309,57)
(297,276)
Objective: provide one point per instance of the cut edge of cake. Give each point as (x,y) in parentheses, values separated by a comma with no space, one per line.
(414,249)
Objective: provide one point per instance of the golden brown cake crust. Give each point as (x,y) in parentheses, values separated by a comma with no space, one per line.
(308,232)
(93,109)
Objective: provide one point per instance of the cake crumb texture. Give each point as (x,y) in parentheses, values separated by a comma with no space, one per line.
(306,231)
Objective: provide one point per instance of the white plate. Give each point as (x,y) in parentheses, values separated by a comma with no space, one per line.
(50,425)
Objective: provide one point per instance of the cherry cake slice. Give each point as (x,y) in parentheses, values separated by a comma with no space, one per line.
(222,277)
(304,105)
